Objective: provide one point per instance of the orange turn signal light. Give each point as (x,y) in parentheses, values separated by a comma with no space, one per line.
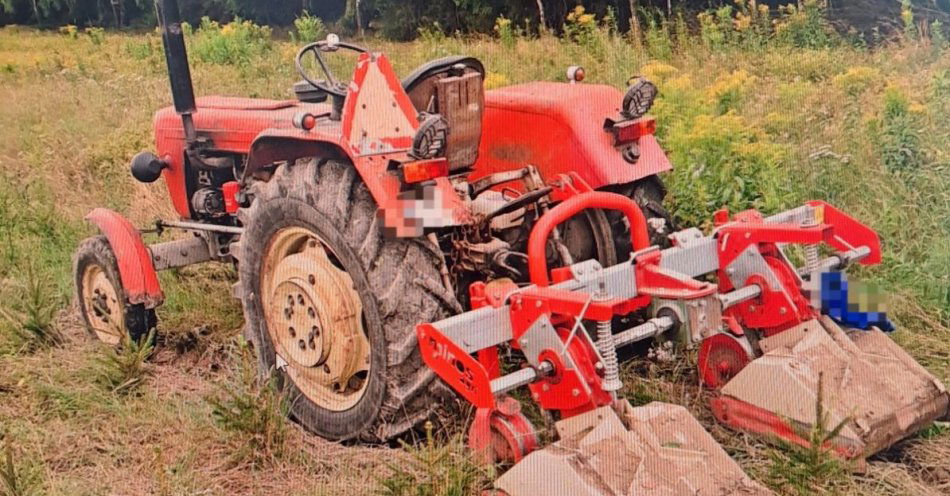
(304,120)
(575,73)
(424,170)
(630,131)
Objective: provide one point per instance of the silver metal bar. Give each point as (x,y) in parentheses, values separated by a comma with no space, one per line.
(793,216)
(201,226)
(738,296)
(835,262)
(489,326)
(179,253)
(643,331)
(520,378)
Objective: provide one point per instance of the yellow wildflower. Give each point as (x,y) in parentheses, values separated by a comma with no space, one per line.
(586,19)
(658,71)
(735,83)
(576,13)
(856,79)
(917,108)
(742,22)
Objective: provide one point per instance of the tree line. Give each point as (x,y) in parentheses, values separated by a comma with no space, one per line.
(400,19)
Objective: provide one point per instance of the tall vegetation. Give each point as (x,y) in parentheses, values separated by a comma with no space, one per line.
(399,19)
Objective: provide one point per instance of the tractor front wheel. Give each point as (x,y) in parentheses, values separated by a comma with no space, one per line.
(331,304)
(102,302)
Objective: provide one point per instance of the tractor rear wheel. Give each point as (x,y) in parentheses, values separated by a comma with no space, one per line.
(332,304)
(648,193)
(102,302)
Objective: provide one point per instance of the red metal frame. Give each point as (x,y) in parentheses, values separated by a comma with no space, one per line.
(569,391)
(744,416)
(537,242)
(136,270)
(772,311)
(656,281)
(849,232)
(456,367)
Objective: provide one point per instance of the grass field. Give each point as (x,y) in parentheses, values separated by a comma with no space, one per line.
(746,124)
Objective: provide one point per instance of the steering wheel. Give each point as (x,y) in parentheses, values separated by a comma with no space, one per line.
(331,85)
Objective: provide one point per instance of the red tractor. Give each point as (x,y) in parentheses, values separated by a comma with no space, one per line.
(364,207)
(389,234)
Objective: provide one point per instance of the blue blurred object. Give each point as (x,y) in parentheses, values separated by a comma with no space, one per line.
(835,304)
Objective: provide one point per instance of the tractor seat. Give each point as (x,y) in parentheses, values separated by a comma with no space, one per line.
(440,66)
(309,93)
(453,88)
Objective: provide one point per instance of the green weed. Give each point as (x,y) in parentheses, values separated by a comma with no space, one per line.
(856,79)
(123,370)
(581,27)
(899,135)
(17,476)
(937,36)
(935,430)
(722,161)
(907,17)
(307,28)
(144,49)
(657,36)
(804,25)
(96,35)
(252,410)
(33,322)
(435,469)
(235,43)
(715,27)
(70,31)
(804,469)
(506,31)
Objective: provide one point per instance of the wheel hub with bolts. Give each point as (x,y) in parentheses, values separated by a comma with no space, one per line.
(102,304)
(314,318)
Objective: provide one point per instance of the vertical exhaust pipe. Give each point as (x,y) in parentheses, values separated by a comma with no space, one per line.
(179,74)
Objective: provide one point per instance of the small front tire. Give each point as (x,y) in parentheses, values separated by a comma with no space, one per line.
(101,297)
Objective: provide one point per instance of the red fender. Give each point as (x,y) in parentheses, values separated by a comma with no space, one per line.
(135,261)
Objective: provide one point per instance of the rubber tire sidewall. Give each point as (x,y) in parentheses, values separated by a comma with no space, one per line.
(97,251)
(279,213)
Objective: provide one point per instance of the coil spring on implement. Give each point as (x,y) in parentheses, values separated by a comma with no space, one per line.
(607,350)
(812,260)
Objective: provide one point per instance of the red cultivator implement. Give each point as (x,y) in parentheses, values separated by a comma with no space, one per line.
(762,345)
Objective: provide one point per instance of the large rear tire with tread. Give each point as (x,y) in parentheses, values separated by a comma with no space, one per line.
(648,193)
(397,283)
